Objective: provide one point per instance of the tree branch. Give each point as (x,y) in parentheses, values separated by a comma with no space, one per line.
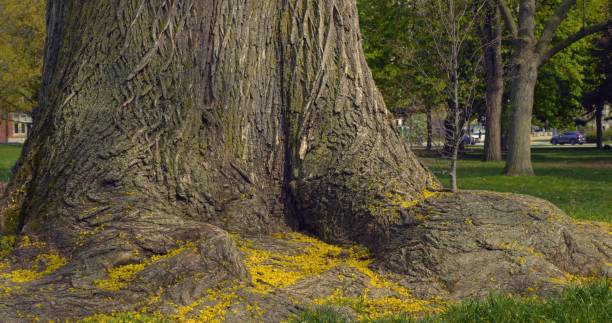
(552,25)
(572,39)
(583,122)
(508,19)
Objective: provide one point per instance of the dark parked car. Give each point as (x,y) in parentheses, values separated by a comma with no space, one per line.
(570,137)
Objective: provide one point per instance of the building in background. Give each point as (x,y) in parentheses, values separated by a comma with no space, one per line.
(14,127)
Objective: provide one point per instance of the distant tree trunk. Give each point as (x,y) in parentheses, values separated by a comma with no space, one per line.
(525,61)
(429,129)
(518,160)
(494,82)
(599,125)
(449,130)
(453,167)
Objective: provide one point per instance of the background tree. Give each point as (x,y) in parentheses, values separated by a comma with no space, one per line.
(22,32)
(491,35)
(409,49)
(390,45)
(530,52)
(566,78)
(601,94)
(453,50)
(385,26)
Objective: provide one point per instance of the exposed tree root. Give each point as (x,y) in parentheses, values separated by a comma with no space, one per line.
(448,247)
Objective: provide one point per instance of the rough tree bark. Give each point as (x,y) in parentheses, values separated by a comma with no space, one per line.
(164,125)
(530,53)
(494,69)
(159,107)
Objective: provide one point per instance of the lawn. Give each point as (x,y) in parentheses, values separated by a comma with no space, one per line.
(9,154)
(576,179)
(589,303)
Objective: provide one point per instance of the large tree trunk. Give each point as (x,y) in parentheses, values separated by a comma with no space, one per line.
(170,121)
(164,125)
(494,82)
(214,93)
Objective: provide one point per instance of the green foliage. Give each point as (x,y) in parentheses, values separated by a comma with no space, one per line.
(590,303)
(575,179)
(569,75)
(602,83)
(391,30)
(396,41)
(22,32)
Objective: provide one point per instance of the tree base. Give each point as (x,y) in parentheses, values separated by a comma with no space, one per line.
(448,247)
(519,171)
(492,158)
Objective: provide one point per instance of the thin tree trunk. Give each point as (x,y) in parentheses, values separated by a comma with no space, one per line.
(599,125)
(494,82)
(449,129)
(457,133)
(429,129)
(453,168)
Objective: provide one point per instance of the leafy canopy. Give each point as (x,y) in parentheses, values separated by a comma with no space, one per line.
(22,33)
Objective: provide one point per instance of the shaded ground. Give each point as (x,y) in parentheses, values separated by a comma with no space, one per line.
(576,179)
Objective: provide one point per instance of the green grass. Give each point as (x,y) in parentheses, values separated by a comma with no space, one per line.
(578,180)
(590,303)
(9,154)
